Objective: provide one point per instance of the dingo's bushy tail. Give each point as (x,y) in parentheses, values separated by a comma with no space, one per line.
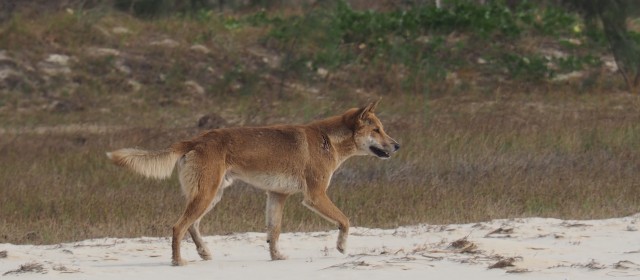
(154,164)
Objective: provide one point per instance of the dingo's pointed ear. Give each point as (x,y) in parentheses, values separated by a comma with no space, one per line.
(374,104)
(368,109)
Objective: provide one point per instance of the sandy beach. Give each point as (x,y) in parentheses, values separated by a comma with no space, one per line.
(531,248)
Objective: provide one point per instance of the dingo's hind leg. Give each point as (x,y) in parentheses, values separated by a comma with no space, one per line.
(199,202)
(194,229)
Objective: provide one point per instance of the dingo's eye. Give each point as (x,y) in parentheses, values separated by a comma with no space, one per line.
(376,130)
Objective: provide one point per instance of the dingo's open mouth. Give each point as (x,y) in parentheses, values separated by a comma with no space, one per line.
(379,152)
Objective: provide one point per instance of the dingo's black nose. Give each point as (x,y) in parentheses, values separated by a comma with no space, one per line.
(396,146)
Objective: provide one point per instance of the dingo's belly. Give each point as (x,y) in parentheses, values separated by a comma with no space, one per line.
(280,183)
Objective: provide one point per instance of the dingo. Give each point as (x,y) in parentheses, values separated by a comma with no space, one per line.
(281,160)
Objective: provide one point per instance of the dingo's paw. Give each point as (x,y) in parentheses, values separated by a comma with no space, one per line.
(178,262)
(342,247)
(342,241)
(276,256)
(204,254)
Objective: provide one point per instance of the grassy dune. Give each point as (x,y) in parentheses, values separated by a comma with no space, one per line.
(483,135)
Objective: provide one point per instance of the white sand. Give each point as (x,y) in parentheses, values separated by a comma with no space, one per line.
(540,248)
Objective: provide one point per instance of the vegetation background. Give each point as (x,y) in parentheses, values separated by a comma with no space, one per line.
(504,108)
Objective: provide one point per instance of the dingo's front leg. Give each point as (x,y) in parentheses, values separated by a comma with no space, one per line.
(322,205)
(201,246)
(275,205)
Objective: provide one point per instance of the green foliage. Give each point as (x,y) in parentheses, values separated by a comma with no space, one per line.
(555,21)
(421,39)
(527,67)
(238,81)
(373,27)
(261,18)
(232,23)
(574,63)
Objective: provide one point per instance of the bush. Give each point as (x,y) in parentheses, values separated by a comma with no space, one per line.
(624,43)
(425,35)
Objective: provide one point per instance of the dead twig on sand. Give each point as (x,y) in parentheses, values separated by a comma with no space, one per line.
(28,267)
(503,263)
(465,246)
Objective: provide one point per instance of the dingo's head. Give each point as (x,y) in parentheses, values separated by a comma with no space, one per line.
(369,134)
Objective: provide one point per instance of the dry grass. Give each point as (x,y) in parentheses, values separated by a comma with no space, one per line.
(474,159)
